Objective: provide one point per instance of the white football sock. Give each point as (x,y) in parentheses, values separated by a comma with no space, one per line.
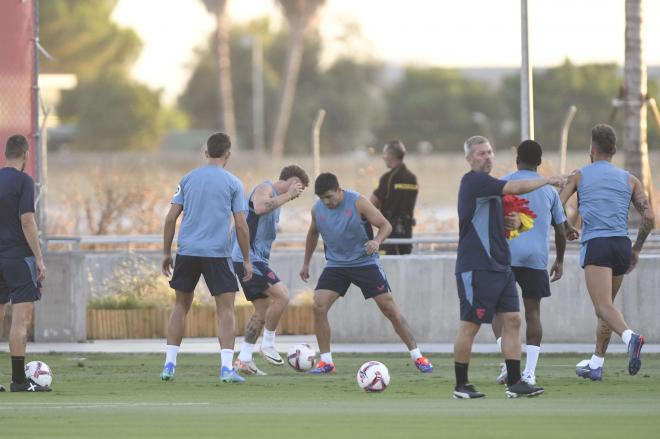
(226,358)
(596,362)
(499,343)
(246,352)
(268,340)
(170,353)
(532,358)
(625,336)
(327,357)
(415,354)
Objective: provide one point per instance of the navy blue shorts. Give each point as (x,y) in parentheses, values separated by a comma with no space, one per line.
(613,252)
(534,283)
(218,274)
(262,279)
(369,278)
(18,280)
(482,294)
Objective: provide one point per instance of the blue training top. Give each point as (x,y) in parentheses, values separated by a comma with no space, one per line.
(481,241)
(531,248)
(263,230)
(344,233)
(604,196)
(16,198)
(209,195)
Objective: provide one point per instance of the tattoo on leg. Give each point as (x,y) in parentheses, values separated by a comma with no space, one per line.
(253,329)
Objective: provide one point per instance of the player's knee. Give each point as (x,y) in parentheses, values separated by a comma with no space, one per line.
(511,321)
(319,308)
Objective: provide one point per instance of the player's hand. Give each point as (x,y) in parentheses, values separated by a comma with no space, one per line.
(295,190)
(634,258)
(370,247)
(41,270)
(556,181)
(247,268)
(556,271)
(572,233)
(167,265)
(512,221)
(304,273)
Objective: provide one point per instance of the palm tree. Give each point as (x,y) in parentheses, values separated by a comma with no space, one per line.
(226,117)
(635,146)
(300,15)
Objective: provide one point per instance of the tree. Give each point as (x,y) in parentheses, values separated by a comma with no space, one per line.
(83,39)
(225,94)
(300,15)
(112,113)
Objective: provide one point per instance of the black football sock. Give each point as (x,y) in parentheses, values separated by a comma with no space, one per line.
(512,371)
(461,370)
(18,370)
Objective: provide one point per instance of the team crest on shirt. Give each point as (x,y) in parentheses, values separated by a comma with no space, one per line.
(480,312)
(321,218)
(349,213)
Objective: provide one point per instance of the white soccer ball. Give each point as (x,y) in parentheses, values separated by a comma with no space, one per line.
(301,357)
(39,372)
(373,376)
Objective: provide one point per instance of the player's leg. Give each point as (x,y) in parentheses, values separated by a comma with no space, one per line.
(533,337)
(245,363)
(323,301)
(497,332)
(390,309)
(279,300)
(224,305)
(2,321)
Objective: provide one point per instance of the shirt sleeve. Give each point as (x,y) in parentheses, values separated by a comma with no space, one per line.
(26,202)
(178,194)
(484,185)
(381,190)
(238,201)
(558,215)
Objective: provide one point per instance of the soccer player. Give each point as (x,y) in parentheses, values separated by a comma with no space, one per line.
(268,294)
(529,255)
(486,285)
(604,196)
(208,197)
(344,219)
(21,262)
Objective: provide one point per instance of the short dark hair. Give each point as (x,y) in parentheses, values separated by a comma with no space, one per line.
(218,144)
(529,153)
(325,182)
(16,146)
(604,138)
(295,171)
(396,148)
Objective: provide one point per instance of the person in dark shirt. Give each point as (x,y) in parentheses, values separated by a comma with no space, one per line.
(395,197)
(21,262)
(486,284)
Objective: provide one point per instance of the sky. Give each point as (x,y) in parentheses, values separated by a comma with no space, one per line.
(450,33)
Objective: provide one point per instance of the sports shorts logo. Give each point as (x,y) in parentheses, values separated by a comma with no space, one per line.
(271,275)
(381,287)
(480,312)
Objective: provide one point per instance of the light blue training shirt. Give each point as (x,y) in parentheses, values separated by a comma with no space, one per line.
(263,230)
(209,196)
(604,196)
(531,248)
(344,233)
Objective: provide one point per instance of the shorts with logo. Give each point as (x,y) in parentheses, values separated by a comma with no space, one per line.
(263,277)
(482,294)
(613,252)
(218,274)
(534,283)
(18,280)
(369,278)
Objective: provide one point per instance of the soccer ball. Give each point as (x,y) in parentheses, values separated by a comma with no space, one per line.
(373,376)
(39,372)
(301,357)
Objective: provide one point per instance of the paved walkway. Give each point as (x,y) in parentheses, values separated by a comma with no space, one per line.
(210,346)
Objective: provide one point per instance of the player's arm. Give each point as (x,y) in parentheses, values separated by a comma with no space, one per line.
(168,236)
(570,187)
(29,226)
(243,237)
(373,199)
(264,202)
(560,247)
(641,203)
(376,219)
(311,242)
(517,187)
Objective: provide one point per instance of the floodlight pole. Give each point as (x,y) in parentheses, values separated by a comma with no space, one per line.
(526,86)
(39,132)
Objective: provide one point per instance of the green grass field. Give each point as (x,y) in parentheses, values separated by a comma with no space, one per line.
(120,396)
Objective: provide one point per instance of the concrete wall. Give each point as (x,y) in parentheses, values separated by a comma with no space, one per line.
(424,287)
